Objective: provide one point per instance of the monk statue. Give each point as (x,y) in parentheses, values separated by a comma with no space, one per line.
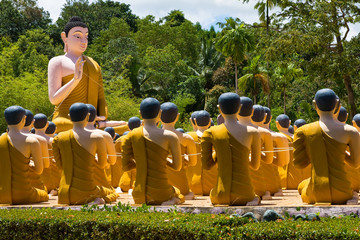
(257,175)
(37,180)
(127,178)
(233,143)
(269,170)
(41,124)
(192,120)
(290,176)
(281,151)
(74,152)
(102,176)
(146,148)
(353,174)
(16,148)
(298,123)
(55,172)
(201,180)
(74,77)
(323,144)
(169,117)
(291,129)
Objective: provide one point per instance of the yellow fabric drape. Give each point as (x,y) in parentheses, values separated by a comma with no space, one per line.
(151,185)
(201,181)
(89,90)
(233,185)
(77,184)
(328,182)
(15,187)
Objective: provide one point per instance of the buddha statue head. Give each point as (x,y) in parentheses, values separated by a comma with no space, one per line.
(268,117)
(15,117)
(246,107)
(180,130)
(110,131)
(326,101)
(229,104)
(356,121)
(79,114)
(50,130)
(291,129)
(116,136)
(169,113)
(283,123)
(75,36)
(202,120)
(134,122)
(192,120)
(29,120)
(150,110)
(343,115)
(259,115)
(40,122)
(298,123)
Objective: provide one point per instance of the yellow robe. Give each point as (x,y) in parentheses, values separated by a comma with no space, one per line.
(102,180)
(353,175)
(233,185)
(151,185)
(178,179)
(15,187)
(201,181)
(328,182)
(36,180)
(89,90)
(290,176)
(77,185)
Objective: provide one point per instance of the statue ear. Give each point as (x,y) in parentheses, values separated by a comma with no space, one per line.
(177,117)
(219,109)
(278,125)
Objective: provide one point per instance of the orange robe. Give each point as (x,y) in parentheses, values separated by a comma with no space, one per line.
(124,179)
(15,186)
(328,182)
(151,185)
(201,181)
(77,184)
(89,90)
(233,185)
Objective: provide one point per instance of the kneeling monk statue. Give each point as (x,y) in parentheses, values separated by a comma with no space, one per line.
(16,148)
(323,144)
(233,143)
(74,151)
(146,148)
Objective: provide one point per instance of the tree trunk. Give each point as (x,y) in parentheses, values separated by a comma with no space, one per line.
(351,98)
(284,100)
(267,16)
(236,79)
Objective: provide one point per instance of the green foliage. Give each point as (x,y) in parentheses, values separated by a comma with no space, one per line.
(119,222)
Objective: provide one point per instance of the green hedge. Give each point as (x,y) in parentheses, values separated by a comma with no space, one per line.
(140,224)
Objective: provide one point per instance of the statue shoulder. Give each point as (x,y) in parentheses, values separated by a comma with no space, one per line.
(56,61)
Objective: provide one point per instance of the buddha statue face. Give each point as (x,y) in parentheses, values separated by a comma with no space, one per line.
(76,40)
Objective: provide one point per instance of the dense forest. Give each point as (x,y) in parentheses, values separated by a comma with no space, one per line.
(279,62)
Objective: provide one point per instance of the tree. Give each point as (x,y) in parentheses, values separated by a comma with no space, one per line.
(254,73)
(175,18)
(234,41)
(285,74)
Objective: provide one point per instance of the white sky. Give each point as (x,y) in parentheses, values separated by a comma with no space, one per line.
(207,12)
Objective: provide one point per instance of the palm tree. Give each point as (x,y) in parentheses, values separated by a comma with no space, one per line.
(286,73)
(254,73)
(234,41)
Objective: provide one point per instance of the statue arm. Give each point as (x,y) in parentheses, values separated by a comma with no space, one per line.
(269,148)
(282,157)
(301,158)
(175,150)
(101,151)
(45,152)
(36,155)
(207,151)
(191,150)
(128,161)
(255,151)
(57,92)
(353,159)
(110,147)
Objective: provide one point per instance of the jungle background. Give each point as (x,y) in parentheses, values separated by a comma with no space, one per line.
(279,62)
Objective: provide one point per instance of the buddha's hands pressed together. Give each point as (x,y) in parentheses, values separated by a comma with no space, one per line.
(79,69)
